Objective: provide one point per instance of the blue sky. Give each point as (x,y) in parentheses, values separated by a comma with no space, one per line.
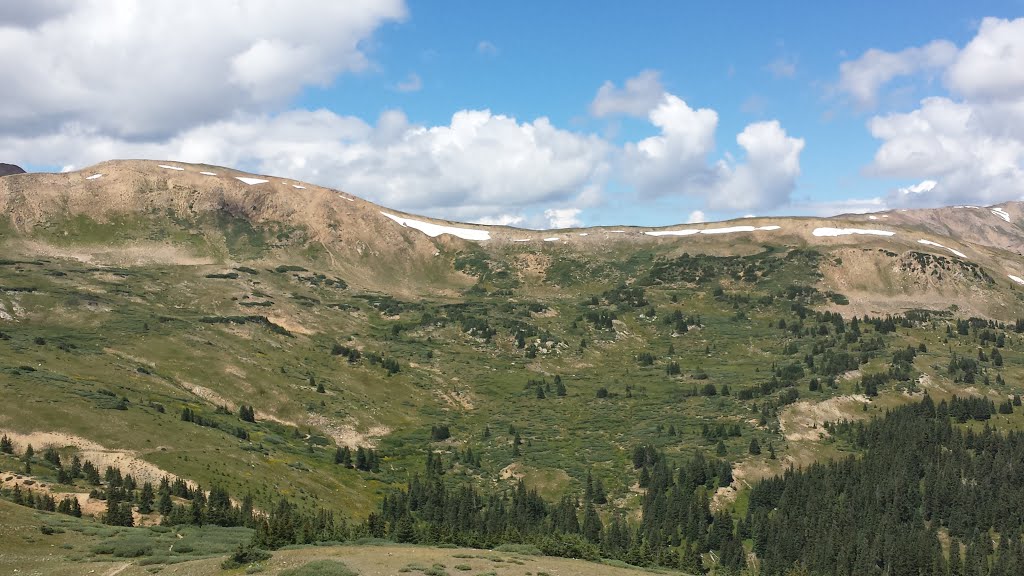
(519,112)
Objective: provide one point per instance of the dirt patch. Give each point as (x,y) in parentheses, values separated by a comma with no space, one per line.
(512,471)
(235,371)
(136,254)
(290,325)
(128,461)
(457,399)
(346,434)
(804,420)
(208,395)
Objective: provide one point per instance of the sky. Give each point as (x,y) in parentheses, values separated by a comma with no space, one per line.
(535,113)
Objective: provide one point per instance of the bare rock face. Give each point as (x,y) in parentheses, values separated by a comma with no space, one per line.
(8,169)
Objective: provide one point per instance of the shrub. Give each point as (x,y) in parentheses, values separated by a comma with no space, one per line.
(245,554)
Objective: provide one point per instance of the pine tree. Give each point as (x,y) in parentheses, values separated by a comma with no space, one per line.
(600,495)
(592,524)
(195,512)
(404,531)
(6,446)
(146,498)
(755,447)
(164,504)
(956,566)
(29,452)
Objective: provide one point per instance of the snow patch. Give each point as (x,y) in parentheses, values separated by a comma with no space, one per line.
(208,173)
(937,245)
(299,187)
(178,168)
(435,230)
(1001,213)
(847,231)
(872,217)
(584,234)
(521,240)
(93,177)
(251,181)
(1016,279)
(617,231)
(552,239)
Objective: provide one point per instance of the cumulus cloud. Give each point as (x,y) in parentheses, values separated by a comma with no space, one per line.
(992,64)
(769,174)
(501,220)
(676,160)
(480,164)
(943,141)
(862,78)
(563,217)
(637,97)
(146,69)
(919,188)
(968,146)
(696,217)
(847,206)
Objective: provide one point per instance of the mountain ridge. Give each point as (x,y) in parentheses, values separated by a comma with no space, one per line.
(374,245)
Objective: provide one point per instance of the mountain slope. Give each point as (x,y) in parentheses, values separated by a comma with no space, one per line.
(143,311)
(381,249)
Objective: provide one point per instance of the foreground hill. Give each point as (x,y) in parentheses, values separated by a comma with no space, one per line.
(259,338)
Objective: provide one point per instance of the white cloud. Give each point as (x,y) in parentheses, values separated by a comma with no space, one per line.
(563,217)
(782,68)
(919,188)
(696,217)
(413,83)
(992,64)
(478,165)
(147,69)
(861,79)
(637,97)
(967,147)
(945,141)
(834,207)
(675,161)
(769,174)
(501,220)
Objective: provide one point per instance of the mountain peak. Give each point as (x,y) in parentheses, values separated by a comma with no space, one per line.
(9,169)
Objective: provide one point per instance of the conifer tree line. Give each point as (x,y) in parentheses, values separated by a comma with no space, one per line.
(920,475)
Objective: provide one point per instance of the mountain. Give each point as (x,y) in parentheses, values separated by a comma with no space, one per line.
(972,252)
(261,338)
(8,169)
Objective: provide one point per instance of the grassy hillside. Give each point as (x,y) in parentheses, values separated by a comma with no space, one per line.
(134,341)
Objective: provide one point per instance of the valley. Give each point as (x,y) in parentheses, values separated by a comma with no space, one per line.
(279,342)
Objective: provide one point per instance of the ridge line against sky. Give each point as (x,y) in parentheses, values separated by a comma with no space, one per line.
(536,114)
